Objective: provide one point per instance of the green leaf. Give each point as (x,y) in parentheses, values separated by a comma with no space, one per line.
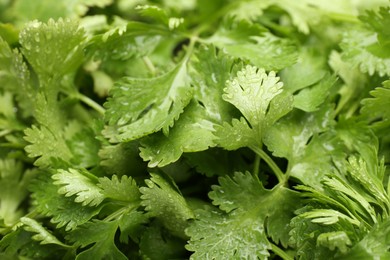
(43,235)
(373,246)
(15,77)
(357,52)
(122,159)
(45,145)
(53,49)
(332,240)
(245,222)
(268,51)
(62,210)
(216,235)
(101,234)
(139,107)
(193,131)
(375,108)
(310,99)
(254,93)
(13,191)
(162,200)
(379,21)
(77,182)
(123,189)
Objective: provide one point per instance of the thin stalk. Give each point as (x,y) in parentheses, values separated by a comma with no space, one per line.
(149,65)
(278,172)
(91,103)
(256,166)
(280,252)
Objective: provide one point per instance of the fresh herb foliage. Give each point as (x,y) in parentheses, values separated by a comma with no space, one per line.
(248,129)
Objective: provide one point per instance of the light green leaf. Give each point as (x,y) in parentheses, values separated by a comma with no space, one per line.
(252,92)
(327,216)
(53,48)
(375,245)
(123,189)
(357,52)
(43,235)
(162,200)
(333,240)
(45,145)
(139,107)
(193,131)
(13,191)
(268,51)
(77,182)
(309,99)
(15,77)
(62,210)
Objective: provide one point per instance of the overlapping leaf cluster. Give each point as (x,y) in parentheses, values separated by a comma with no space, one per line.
(194,129)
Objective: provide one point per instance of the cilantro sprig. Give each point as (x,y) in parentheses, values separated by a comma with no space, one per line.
(194,129)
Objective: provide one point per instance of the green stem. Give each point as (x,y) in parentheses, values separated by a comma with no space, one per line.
(149,65)
(278,172)
(91,103)
(256,165)
(281,253)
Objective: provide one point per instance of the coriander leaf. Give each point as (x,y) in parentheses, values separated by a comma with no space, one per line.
(216,235)
(254,93)
(303,13)
(62,210)
(295,138)
(45,145)
(355,84)
(83,145)
(43,235)
(267,51)
(53,49)
(332,240)
(19,244)
(15,77)
(162,200)
(99,233)
(353,202)
(13,191)
(193,131)
(139,107)
(309,70)
(374,245)
(245,222)
(131,225)
(122,159)
(79,183)
(357,52)
(123,189)
(309,99)
(374,108)
(379,21)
